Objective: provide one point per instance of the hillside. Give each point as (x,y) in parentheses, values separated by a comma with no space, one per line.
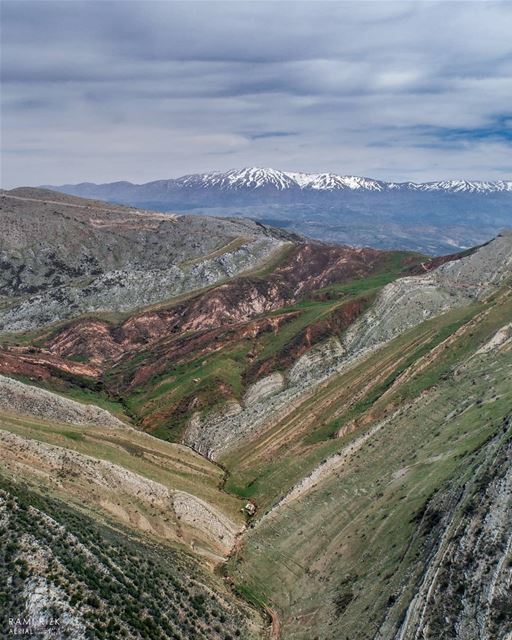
(62,256)
(315,443)
(432,217)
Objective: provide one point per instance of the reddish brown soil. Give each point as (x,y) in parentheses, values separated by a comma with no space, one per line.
(205,323)
(40,364)
(310,267)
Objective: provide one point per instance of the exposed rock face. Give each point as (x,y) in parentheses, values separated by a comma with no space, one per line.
(315,362)
(308,267)
(16,397)
(409,301)
(42,597)
(203,432)
(465,591)
(502,339)
(39,363)
(61,256)
(264,388)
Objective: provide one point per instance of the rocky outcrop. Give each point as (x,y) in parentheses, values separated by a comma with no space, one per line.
(314,363)
(205,430)
(214,434)
(502,339)
(400,306)
(264,388)
(17,397)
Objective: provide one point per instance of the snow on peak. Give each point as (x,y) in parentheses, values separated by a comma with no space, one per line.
(332,182)
(247,178)
(263,177)
(458,186)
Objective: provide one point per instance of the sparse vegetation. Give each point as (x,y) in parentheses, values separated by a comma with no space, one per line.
(116,584)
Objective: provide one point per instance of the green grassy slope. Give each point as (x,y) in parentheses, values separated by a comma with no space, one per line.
(352,546)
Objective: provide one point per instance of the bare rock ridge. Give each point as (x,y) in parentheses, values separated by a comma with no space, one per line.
(401,305)
(264,388)
(19,398)
(409,301)
(62,256)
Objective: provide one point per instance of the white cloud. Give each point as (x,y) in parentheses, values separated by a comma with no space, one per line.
(140,90)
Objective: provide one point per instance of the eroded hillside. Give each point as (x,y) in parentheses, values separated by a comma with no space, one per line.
(404,517)
(61,256)
(332,432)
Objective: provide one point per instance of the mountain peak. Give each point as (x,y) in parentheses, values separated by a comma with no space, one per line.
(267,179)
(254,178)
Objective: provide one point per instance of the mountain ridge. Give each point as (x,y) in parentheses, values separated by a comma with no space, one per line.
(258,177)
(432,217)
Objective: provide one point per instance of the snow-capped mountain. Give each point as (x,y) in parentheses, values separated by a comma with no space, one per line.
(260,178)
(431,217)
(236,179)
(334,182)
(271,182)
(466,186)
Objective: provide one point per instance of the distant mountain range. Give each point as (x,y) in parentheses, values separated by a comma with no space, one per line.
(432,217)
(245,183)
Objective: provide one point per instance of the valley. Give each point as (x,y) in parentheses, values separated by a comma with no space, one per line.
(245,433)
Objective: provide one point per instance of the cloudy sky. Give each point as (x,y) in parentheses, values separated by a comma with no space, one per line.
(141,90)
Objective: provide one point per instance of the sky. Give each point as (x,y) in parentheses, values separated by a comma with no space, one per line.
(141,90)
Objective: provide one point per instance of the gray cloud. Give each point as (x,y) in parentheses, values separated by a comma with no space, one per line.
(140,90)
